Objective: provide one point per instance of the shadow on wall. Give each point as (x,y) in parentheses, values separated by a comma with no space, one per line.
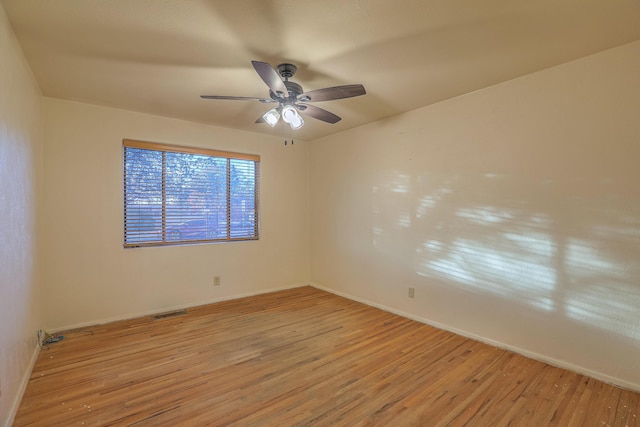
(567,249)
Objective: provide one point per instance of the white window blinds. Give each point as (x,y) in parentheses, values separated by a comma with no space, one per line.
(179,195)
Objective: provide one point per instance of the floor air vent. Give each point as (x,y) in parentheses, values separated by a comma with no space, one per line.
(169,314)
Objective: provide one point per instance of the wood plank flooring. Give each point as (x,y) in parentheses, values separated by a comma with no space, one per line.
(303,357)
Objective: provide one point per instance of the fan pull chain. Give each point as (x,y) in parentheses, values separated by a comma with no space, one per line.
(290,133)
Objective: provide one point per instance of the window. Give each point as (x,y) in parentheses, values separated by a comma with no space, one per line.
(178,195)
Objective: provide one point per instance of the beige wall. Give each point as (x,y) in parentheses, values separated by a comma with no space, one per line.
(90,278)
(513,211)
(20,146)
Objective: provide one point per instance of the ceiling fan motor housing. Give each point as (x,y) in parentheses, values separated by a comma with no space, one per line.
(293,88)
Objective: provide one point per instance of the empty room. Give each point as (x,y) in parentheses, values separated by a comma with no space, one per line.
(332,213)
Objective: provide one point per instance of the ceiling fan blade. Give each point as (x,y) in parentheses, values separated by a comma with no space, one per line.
(260,120)
(236,98)
(271,77)
(330,93)
(318,113)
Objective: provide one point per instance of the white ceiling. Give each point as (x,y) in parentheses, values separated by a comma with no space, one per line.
(159,56)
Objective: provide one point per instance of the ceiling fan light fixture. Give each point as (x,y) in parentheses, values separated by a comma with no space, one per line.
(289,113)
(298,123)
(271,117)
(291,116)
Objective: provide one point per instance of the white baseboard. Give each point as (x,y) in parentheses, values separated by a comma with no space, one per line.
(23,386)
(618,382)
(170,308)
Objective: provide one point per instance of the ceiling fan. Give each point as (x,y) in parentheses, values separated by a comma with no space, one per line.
(290,97)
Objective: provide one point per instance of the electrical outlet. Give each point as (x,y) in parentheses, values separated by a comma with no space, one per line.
(412,292)
(216,280)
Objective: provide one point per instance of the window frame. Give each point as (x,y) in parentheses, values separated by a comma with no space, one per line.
(220,154)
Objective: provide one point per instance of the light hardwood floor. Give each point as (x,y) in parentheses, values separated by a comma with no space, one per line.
(303,357)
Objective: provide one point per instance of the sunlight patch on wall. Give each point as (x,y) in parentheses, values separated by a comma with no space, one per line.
(529,260)
(600,290)
(404,220)
(494,269)
(429,202)
(397,183)
(483,215)
(532,246)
